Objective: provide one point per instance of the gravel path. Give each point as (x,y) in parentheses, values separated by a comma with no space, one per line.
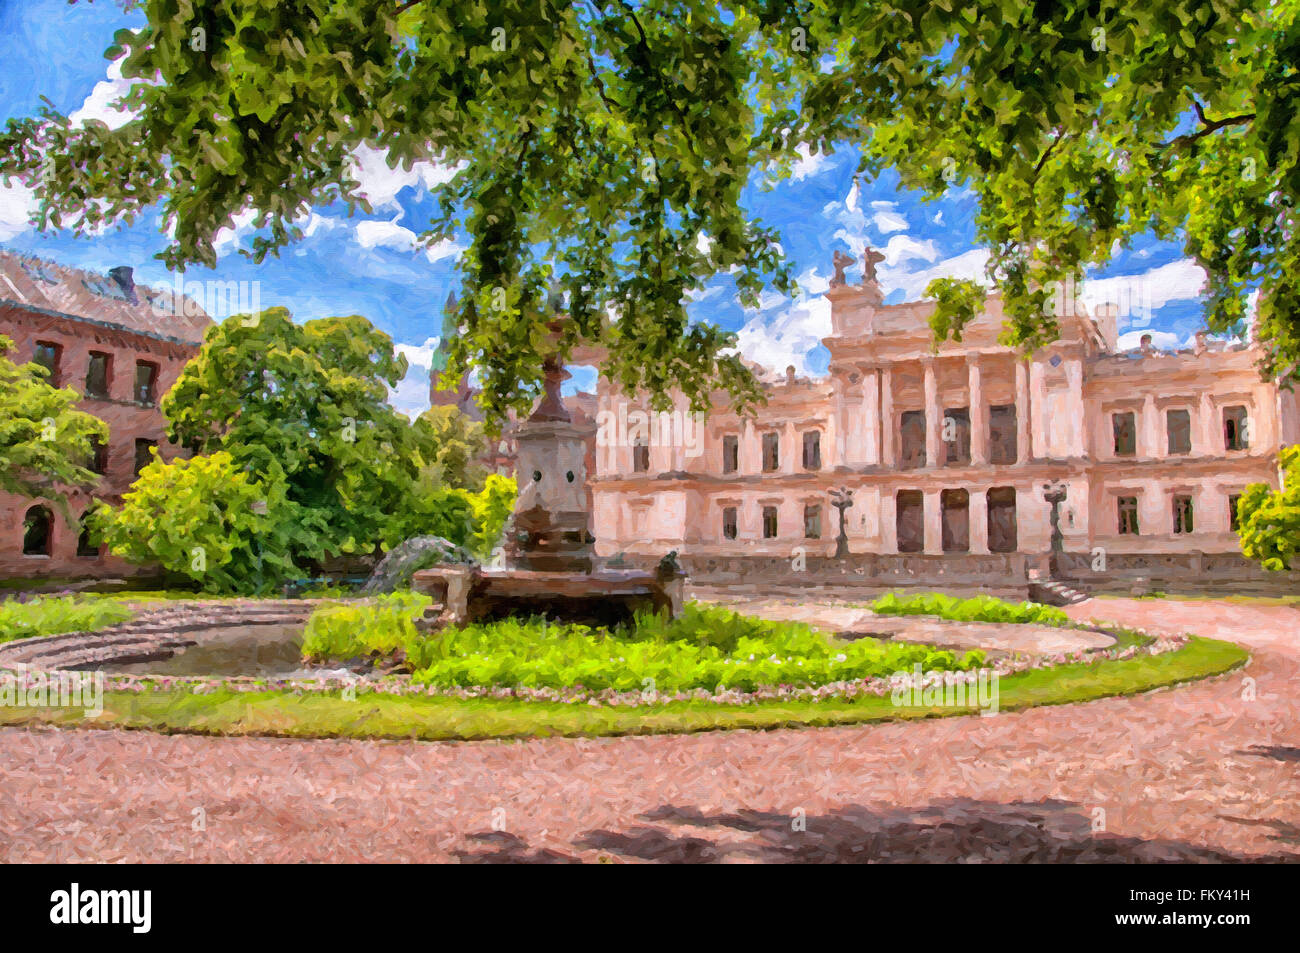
(1204,772)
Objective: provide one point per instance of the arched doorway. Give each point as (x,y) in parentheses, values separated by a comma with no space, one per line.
(38,531)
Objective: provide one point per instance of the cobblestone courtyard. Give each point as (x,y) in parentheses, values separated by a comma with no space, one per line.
(1208,771)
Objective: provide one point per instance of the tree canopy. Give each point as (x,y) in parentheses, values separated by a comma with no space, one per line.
(602,148)
(46,444)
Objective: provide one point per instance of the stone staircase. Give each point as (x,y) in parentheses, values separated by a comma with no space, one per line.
(1056,593)
(152,635)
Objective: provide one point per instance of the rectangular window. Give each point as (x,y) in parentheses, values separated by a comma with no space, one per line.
(1179,425)
(812,521)
(1128,515)
(812,450)
(729,524)
(1124,426)
(911,432)
(956,437)
(1182,514)
(769,522)
(1234,522)
(1236,429)
(771,452)
(143,457)
(909,521)
(1002,519)
(146,380)
(640,457)
(1002,434)
(98,374)
(47,355)
(730,453)
(98,456)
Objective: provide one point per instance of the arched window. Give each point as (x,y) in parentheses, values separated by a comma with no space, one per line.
(38,526)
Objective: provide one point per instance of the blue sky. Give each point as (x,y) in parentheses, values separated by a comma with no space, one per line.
(369,265)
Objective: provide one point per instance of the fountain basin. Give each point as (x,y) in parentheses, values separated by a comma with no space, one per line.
(605,597)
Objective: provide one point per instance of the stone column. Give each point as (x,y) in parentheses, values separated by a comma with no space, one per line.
(933,415)
(751,453)
(888,521)
(1022,413)
(835,436)
(979,522)
(1206,429)
(933,523)
(791,449)
(1151,428)
(887,452)
(979,424)
(1077,423)
(1037,408)
(871,417)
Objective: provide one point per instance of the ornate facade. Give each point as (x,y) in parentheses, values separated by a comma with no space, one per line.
(949,453)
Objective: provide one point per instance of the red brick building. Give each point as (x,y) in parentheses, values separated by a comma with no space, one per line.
(121,346)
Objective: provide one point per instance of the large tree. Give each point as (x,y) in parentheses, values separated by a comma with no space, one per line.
(305,405)
(602,147)
(46,444)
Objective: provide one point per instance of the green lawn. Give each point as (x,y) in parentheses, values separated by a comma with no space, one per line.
(312,715)
(53,615)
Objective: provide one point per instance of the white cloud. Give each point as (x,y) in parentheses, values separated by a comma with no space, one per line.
(1137,296)
(380,182)
(384,235)
(101,104)
(808,164)
(315,222)
(443,249)
(419,355)
(889,221)
(230,238)
(785,339)
(968,265)
(17,202)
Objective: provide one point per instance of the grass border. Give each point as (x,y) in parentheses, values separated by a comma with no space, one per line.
(284,714)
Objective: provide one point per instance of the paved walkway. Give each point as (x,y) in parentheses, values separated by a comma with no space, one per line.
(1209,771)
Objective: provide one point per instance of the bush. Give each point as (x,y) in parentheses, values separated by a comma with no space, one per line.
(51,615)
(976,609)
(347,631)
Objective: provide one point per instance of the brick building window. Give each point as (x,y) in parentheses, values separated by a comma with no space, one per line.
(769,522)
(143,456)
(98,456)
(812,450)
(729,523)
(1002,519)
(38,528)
(1128,515)
(99,373)
(1236,429)
(146,382)
(812,521)
(1124,427)
(640,457)
(954,512)
(1178,423)
(1234,521)
(1002,434)
(47,355)
(87,544)
(1182,514)
(909,521)
(730,453)
(771,452)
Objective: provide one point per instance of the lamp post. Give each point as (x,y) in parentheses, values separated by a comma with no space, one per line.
(1054,494)
(842,499)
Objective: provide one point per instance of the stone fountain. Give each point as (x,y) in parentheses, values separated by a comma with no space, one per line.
(551,568)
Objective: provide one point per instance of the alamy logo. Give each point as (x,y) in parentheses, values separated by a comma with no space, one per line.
(74,906)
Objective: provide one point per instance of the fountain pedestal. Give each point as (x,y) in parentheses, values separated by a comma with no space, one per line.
(550,556)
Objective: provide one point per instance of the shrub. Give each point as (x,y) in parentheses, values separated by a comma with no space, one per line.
(385,625)
(51,615)
(976,609)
